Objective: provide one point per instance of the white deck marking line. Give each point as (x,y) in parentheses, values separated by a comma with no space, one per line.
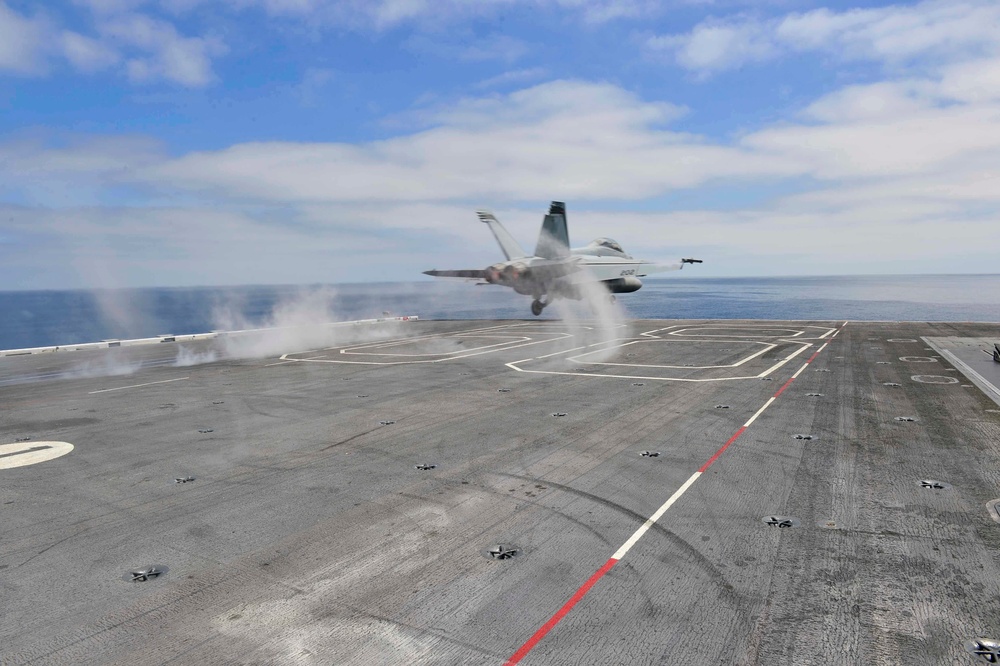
(354,350)
(767,347)
(799,371)
(759,412)
(416,337)
(433,360)
(544,630)
(657,330)
(122,388)
(785,360)
(556,324)
(725,328)
(632,540)
(682,334)
(268,365)
(972,374)
(565,351)
(513,366)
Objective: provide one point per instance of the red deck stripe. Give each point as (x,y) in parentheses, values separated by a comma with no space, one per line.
(782,389)
(523,651)
(721,450)
(560,614)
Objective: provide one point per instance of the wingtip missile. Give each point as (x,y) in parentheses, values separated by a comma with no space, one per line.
(691,261)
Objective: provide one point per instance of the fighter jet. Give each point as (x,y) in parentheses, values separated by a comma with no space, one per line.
(557,271)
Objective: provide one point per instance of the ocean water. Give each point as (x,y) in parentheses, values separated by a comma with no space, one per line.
(43,318)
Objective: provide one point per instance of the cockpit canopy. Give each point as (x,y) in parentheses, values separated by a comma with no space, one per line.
(608,243)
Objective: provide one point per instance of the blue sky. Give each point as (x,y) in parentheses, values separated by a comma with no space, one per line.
(179,142)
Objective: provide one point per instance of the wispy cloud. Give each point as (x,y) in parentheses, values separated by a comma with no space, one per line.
(908,164)
(503,48)
(315,80)
(147,49)
(512,78)
(158,51)
(904,157)
(87,54)
(388,14)
(22,42)
(893,35)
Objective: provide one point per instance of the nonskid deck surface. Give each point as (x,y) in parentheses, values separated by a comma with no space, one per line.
(339,504)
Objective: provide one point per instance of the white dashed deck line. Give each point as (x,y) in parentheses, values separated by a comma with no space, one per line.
(785,360)
(360,349)
(767,347)
(122,388)
(638,534)
(759,412)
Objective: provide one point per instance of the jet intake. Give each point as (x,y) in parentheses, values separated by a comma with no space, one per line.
(623,285)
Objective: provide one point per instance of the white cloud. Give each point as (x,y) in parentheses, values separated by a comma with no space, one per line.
(601,11)
(925,141)
(972,81)
(503,48)
(22,42)
(908,168)
(573,139)
(512,77)
(714,46)
(110,7)
(388,14)
(151,49)
(942,30)
(87,54)
(886,100)
(314,82)
(165,53)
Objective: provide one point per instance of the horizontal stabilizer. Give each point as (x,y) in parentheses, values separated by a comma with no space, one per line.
(469,274)
(507,244)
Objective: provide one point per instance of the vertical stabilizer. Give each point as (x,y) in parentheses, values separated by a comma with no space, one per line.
(510,248)
(553,240)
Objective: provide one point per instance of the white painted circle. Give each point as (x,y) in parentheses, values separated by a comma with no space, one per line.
(31,453)
(934,379)
(918,359)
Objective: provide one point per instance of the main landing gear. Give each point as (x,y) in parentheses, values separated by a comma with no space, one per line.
(537,306)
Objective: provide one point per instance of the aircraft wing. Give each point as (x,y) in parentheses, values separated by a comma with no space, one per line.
(646,269)
(663,268)
(464,274)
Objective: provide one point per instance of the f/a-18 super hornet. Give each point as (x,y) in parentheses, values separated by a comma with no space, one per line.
(557,271)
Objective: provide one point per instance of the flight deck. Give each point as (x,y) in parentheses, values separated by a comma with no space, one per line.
(501,492)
